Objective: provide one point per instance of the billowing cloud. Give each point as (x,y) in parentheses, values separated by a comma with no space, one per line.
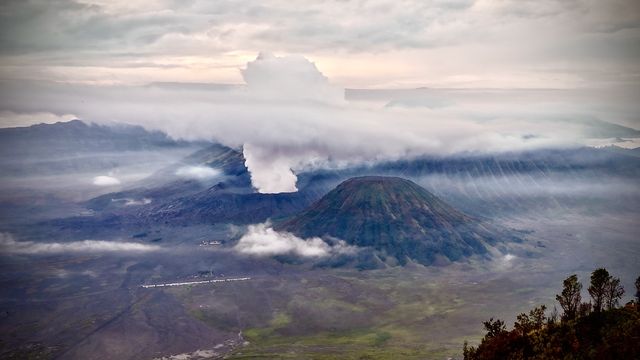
(198,172)
(104,180)
(262,240)
(289,78)
(9,245)
(284,134)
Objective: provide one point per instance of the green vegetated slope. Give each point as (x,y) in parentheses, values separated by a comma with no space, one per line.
(348,318)
(380,314)
(396,217)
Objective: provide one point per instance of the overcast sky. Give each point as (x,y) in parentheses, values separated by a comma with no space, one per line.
(536,74)
(371,44)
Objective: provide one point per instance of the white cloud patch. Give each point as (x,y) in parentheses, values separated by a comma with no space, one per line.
(262,240)
(104,180)
(10,246)
(619,142)
(290,78)
(505,262)
(198,172)
(133,202)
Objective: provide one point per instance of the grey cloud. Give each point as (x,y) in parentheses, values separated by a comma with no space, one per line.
(28,26)
(534,8)
(51,25)
(36,35)
(610,16)
(38,26)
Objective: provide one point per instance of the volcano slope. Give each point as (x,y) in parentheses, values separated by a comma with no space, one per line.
(398,219)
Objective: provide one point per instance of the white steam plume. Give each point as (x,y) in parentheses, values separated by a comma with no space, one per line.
(269,174)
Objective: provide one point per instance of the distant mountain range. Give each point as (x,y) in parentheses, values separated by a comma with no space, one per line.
(396,217)
(482,186)
(78,137)
(77,146)
(508,183)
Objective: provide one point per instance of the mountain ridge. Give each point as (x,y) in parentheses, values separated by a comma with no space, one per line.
(396,217)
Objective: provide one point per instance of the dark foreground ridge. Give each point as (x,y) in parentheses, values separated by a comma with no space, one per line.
(398,218)
(598,329)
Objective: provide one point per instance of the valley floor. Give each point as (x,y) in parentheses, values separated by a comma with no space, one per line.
(92,306)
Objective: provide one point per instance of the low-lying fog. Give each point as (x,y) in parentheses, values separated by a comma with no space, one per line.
(81,177)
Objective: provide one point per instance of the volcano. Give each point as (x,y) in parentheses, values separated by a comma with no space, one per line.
(397,218)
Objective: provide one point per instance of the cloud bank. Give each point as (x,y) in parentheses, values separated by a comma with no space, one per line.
(372,43)
(289,118)
(10,246)
(262,240)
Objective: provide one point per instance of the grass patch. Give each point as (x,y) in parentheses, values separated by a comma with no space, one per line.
(387,343)
(381,338)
